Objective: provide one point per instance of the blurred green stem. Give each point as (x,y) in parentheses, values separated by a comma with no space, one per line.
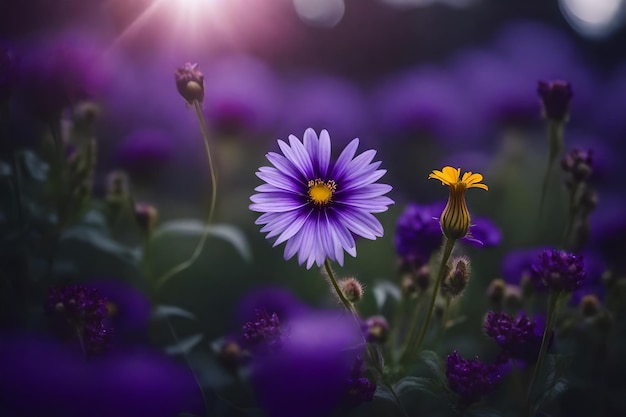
(200,246)
(574,198)
(448,246)
(411,333)
(545,341)
(555,141)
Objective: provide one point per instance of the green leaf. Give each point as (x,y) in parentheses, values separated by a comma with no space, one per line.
(383,290)
(383,393)
(434,363)
(195,228)
(185,345)
(409,384)
(34,167)
(164,311)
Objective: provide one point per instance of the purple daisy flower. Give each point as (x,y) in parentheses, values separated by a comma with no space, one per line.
(317,206)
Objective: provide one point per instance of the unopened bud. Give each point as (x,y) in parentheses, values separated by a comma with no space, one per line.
(495,291)
(230,355)
(527,287)
(456,281)
(555,99)
(352,289)
(376,329)
(190,83)
(513,297)
(589,305)
(146,216)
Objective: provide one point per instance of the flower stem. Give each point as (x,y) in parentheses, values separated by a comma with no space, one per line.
(200,246)
(444,319)
(573,211)
(547,333)
(410,337)
(555,139)
(448,245)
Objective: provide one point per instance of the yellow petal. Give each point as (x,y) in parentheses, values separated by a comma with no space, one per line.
(470,178)
(452,174)
(438,175)
(482,186)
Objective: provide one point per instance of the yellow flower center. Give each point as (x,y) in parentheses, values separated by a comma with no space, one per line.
(320,192)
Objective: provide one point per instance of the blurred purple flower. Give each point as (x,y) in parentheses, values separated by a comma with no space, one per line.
(427,100)
(264,333)
(145,151)
(470,379)
(358,389)
(128,309)
(555,97)
(557,270)
(376,329)
(273,299)
(324,102)
(241,95)
(190,83)
(519,338)
(418,233)
(307,377)
(41,377)
(79,311)
(56,75)
(516,264)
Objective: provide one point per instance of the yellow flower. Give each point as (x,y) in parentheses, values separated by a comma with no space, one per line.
(455,219)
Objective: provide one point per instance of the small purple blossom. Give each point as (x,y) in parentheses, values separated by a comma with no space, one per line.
(80,311)
(190,83)
(555,97)
(558,271)
(519,339)
(358,388)
(418,233)
(376,329)
(263,333)
(316,205)
(470,379)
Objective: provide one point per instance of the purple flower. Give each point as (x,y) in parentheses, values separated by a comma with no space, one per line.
(190,83)
(555,97)
(520,339)
(418,233)
(146,151)
(43,377)
(128,309)
(376,329)
(243,95)
(558,271)
(517,264)
(263,333)
(308,375)
(317,206)
(57,76)
(80,311)
(358,389)
(470,379)
(323,102)
(271,298)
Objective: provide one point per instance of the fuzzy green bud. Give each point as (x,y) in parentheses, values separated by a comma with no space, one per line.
(456,280)
(352,289)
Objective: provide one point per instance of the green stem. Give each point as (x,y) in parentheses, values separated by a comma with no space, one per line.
(447,251)
(342,297)
(555,139)
(200,246)
(573,211)
(545,341)
(410,337)
(444,319)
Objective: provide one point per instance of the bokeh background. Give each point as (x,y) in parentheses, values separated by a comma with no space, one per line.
(424,82)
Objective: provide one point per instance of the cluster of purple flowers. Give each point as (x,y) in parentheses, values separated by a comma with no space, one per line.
(558,271)
(470,379)
(81,311)
(519,339)
(264,332)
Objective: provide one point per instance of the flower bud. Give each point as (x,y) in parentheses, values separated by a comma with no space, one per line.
(230,355)
(117,184)
(513,298)
(578,163)
(146,216)
(555,98)
(190,83)
(589,305)
(456,280)
(495,291)
(352,289)
(376,329)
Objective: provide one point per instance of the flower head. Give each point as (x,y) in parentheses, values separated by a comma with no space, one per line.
(316,205)
(470,379)
(555,97)
(264,332)
(80,310)
(519,338)
(455,219)
(190,83)
(558,271)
